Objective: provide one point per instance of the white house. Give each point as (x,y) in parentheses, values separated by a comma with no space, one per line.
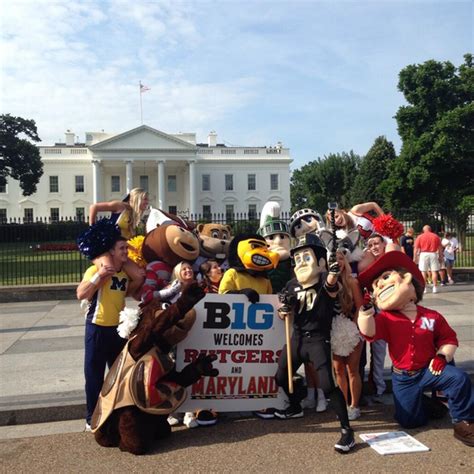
(182,176)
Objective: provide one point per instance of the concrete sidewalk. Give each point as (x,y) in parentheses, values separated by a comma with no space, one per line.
(42,347)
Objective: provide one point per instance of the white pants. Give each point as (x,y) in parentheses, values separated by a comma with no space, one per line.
(429,261)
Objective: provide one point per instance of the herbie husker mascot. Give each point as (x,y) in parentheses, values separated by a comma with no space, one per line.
(421,344)
(143,387)
(249,260)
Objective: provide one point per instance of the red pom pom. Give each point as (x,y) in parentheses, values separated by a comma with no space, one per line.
(388,226)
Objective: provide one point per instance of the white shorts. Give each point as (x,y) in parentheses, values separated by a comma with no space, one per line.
(429,261)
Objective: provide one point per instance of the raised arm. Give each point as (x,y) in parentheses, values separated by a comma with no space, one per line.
(360,209)
(110,206)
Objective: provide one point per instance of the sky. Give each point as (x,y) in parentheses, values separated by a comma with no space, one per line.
(319,76)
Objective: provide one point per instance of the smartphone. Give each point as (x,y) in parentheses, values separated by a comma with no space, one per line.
(332,205)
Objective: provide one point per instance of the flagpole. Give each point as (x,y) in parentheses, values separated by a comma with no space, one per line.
(141,104)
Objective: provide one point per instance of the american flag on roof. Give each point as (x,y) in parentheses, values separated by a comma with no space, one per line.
(144,88)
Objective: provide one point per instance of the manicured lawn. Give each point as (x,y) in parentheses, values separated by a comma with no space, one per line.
(21,264)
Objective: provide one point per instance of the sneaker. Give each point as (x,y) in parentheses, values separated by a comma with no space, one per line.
(346,442)
(443,283)
(464,431)
(435,289)
(378,398)
(189,420)
(450,281)
(425,291)
(173,420)
(290,412)
(322,405)
(353,413)
(266,413)
(206,417)
(308,403)
(88,428)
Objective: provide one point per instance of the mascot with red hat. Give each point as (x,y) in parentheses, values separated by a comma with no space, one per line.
(420,341)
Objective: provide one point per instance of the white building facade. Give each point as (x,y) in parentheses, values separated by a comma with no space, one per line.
(181,176)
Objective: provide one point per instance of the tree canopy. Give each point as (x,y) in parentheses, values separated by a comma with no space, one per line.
(372,172)
(436,162)
(19,158)
(325,179)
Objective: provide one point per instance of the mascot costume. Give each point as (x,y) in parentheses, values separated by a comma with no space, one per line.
(143,386)
(305,221)
(170,240)
(277,235)
(214,241)
(420,341)
(249,260)
(309,299)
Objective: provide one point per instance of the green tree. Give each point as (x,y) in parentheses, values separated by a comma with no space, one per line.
(436,162)
(323,180)
(372,172)
(19,158)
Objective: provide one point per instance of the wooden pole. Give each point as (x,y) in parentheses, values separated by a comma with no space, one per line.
(288,353)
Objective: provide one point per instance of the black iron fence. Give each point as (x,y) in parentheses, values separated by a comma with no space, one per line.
(45,251)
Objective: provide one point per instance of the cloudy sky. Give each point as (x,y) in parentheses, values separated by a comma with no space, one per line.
(320,76)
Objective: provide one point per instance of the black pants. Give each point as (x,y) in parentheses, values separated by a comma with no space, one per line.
(318,351)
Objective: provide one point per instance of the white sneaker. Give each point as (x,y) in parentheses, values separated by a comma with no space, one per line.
(353,413)
(88,428)
(308,403)
(435,289)
(190,420)
(321,405)
(426,290)
(450,281)
(173,420)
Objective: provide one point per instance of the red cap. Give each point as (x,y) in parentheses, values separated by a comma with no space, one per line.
(390,261)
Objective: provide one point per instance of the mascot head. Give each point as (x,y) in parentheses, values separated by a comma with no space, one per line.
(394,281)
(274,230)
(309,258)
(305,221)
(250,252)
(214,240)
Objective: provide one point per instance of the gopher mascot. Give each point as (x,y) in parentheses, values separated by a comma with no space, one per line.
(250,259)
(214,241)
(143,386)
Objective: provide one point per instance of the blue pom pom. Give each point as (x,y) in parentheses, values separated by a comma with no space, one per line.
(98,238)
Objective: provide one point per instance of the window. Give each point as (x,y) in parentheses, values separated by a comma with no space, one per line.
(144,182)
(3,188)
(80,214)
(115,184)
(206,182)
(173,210)
(206,212)
(3,216)
(28,214)
(251,182)
(229,182)
(171,183)
(79,182)
(229,212)
(273,182)
(54,184)
(252,211)
(54,214)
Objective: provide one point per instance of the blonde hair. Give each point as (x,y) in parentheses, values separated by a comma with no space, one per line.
(346,298)
(176,274)
(136,198)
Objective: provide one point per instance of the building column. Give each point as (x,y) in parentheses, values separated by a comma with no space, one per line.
(192,187)
(129,175)
(96,181)
(161,185)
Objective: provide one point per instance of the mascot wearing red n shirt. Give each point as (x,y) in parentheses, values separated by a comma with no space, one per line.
(420,341)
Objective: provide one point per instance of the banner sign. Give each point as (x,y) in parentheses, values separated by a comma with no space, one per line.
(247,339)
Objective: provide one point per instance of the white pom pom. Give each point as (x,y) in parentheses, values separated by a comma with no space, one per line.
(344,336)
(341,234)
(129,318)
